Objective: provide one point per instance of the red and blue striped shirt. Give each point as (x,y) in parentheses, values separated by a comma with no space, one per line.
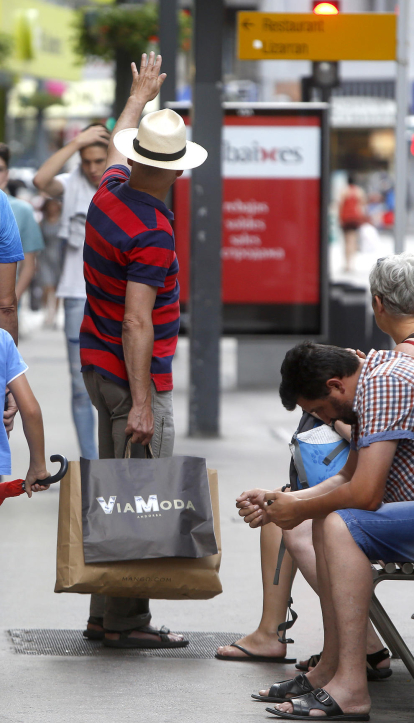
(128,238)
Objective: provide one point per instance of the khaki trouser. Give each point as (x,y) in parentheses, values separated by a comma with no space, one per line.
(113,403)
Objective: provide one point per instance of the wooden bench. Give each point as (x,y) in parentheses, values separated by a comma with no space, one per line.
(380,618)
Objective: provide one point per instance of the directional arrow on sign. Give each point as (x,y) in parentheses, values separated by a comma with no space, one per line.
(263,36)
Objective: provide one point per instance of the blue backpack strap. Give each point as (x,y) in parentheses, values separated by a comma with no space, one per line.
(298,462)
(338,449)
(307,421)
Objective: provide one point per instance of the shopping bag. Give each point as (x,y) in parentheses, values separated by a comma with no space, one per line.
(138,509)
(164,578)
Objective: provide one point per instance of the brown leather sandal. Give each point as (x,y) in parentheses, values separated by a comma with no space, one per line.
(125,641)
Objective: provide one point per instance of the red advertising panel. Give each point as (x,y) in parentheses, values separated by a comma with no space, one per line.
(271,244)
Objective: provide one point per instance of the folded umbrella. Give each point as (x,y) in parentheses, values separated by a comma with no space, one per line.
(14,488)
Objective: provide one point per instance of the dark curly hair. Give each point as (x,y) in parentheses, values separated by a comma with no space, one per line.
(97,143)
(307,367)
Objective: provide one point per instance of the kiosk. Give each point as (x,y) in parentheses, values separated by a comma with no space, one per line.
(274,242)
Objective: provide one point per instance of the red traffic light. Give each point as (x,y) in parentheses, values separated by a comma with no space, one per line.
(331,8)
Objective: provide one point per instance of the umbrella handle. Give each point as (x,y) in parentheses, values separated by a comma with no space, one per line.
(58,476)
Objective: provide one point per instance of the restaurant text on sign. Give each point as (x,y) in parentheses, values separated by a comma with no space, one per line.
(296,36)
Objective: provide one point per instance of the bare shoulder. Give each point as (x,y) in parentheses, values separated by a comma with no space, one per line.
(405,348)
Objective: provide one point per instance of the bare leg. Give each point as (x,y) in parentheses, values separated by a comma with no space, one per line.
(264,640)
(299,543)
(50,303)
(325,669)
(300,546)
(351,247)
(345,584)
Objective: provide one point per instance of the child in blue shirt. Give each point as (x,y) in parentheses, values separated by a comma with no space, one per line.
(12,375)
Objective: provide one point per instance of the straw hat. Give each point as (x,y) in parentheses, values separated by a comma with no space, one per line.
(161,141)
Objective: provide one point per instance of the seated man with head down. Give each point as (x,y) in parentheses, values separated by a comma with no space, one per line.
(366,512)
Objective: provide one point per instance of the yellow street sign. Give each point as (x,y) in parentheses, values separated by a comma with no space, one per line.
(42,34)
(297,36)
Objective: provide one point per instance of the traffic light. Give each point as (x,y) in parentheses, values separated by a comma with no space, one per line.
(323,8)
(325,74)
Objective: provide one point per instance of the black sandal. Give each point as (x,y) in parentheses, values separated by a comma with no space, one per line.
(318,699)
(278,691)
(252,658)
(311,663)
(94,634)
(373,673)
(124,641)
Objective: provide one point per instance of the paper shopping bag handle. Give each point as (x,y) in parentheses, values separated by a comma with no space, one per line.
(127,449)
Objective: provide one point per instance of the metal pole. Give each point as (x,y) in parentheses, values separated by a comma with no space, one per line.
(400,223)
(206,212)
(168,48)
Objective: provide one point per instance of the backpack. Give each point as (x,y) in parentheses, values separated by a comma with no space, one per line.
(317,454)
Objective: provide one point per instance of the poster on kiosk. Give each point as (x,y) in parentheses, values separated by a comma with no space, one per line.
(274,219)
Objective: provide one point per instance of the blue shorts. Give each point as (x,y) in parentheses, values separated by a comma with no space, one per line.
(386,534)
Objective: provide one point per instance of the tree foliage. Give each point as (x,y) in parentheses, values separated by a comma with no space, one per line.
(101,31)
(6,47)
(40,100)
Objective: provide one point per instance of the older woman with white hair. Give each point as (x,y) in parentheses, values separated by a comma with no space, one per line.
(392,289)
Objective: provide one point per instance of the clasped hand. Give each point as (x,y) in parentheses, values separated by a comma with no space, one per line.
(285,510)
(33,477)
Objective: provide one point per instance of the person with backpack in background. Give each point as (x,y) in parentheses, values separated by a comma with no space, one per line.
(351,217)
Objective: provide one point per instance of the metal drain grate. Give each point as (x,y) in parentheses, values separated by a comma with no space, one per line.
(72,643)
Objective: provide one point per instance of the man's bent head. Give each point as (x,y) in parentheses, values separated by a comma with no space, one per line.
(322,379)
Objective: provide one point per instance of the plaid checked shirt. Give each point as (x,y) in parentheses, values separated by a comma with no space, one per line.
(384,403)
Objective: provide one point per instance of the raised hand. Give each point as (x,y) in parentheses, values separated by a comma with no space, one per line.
(94,134)
(147,83)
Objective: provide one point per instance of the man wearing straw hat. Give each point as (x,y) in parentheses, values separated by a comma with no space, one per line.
(129,331)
